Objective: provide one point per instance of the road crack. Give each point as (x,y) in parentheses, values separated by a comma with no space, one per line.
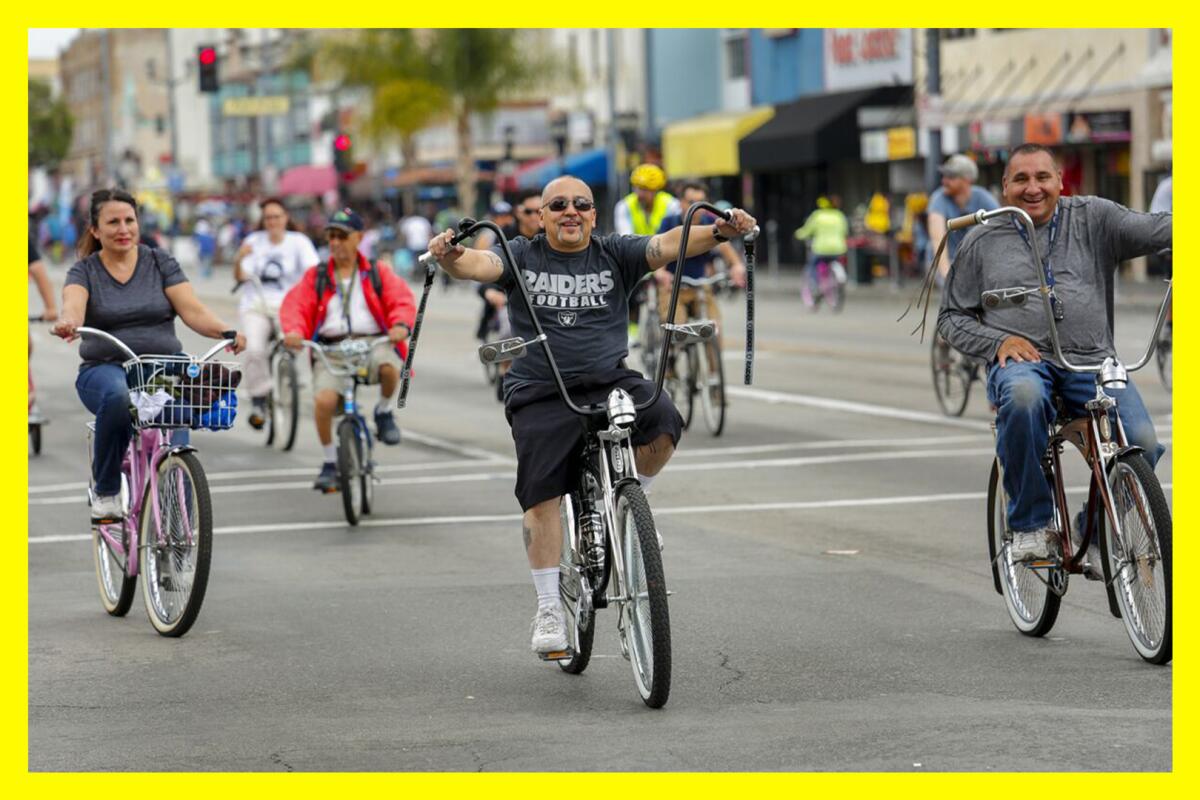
(277,760)
(737,673)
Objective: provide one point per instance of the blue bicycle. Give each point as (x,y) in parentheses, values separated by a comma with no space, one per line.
(349,360)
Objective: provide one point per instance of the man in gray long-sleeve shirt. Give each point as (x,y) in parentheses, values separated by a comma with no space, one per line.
(1081,239)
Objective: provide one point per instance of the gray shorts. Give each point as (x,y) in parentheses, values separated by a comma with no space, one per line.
(324,379)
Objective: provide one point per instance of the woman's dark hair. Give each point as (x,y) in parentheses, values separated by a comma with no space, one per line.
(88,243)
(275,201)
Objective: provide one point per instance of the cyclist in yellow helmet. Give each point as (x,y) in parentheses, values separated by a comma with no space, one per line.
(641,213)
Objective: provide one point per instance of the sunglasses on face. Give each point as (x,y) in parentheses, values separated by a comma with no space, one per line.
(529,212)
(559,204)
(334,235)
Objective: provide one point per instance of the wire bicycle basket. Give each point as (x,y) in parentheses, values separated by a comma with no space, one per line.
(182,392)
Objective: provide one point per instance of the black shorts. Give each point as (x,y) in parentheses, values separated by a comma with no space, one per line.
(549,436)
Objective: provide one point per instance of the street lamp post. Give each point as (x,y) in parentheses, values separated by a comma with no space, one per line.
(558,132)
(508,165)
(627,128)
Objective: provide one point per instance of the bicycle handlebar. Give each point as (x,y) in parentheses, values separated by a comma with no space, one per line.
(982,217)
(86,331)
(341,372)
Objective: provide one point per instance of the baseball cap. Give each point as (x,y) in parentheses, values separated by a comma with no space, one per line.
(959,166)
(345,219)
(501,208)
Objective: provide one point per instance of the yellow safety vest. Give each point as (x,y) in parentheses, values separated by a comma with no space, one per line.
(641,225)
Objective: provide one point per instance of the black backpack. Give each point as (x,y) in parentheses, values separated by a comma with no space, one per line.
(323,281)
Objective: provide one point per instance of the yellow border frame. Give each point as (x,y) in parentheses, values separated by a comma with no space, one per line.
(618,13)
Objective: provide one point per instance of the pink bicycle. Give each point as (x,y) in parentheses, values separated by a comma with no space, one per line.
(827,280)
(167,530)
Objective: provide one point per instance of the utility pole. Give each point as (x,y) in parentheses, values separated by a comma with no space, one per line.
(933,100)
(613,191)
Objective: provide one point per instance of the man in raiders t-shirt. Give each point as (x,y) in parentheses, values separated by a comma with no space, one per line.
(580,285)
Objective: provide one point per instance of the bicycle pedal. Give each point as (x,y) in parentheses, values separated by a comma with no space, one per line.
(107,520)
(1043,564)
(557,655)
(331,490)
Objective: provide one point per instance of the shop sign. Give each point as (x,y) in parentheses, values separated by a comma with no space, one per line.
(901,143)
(1044,128)
(859,57)
(1099,126)
(989,133)
(873,146)
(255,106)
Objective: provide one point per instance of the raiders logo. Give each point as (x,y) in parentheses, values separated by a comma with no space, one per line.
(567,318)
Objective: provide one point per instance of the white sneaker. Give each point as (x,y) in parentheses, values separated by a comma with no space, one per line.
(549,630)
(107,506)
(1031,545)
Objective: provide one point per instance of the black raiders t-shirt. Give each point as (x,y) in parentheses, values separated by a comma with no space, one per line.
(582,302)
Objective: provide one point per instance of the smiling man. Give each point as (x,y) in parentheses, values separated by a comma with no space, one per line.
(580,284)
(1081,241)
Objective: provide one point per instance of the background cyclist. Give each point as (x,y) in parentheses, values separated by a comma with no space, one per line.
(134,293)
(348,304)
(1082,240)
(641,213)
(958,195)
(579,282)
(827,228)
(277,254)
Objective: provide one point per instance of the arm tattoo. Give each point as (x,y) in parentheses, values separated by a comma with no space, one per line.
(527,535)
(495,259)
(654,249)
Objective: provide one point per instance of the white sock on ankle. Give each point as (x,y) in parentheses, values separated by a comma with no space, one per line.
(330,451)
(545,581)
(646,480)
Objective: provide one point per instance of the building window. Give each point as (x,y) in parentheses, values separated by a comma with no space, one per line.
(957,33)
(735,57)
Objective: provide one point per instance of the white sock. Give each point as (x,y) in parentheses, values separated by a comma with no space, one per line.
(383,406)
(646,480)
(330,451)
(545,581)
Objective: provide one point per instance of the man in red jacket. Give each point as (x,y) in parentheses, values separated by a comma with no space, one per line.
(356,300)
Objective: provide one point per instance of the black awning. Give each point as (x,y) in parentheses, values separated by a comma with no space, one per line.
(814,130)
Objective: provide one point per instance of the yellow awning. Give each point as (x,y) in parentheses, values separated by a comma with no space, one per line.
(704,146)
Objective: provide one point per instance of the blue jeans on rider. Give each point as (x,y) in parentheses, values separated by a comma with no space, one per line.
(104,392)
(1021,393)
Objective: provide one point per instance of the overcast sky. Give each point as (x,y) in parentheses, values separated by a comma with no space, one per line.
(47,42)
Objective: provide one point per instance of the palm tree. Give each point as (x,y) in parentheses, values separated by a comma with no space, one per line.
(418,78)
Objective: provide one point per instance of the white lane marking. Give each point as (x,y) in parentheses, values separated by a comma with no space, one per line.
(831,443)
(455,447)
(870,409)
(886,455)
(483,519)
(281,472)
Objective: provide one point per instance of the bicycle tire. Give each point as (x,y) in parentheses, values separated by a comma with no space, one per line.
(1150,566)
(712,390)
(117,586)
(1163,358)
(366,476)
(154,557)
(286,401)
(952,377)
(1032,605)
(349,467)
(647,620)
(35,438)
(579,635)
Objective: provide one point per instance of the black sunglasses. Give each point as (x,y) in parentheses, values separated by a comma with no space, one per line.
(559,204)
(530,211)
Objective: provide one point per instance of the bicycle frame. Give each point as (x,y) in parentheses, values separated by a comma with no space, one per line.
(352,375)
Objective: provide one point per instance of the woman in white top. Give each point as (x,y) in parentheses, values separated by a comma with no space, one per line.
(273,258)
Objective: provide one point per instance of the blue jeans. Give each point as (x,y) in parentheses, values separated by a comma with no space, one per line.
(1021,392)
(104,392)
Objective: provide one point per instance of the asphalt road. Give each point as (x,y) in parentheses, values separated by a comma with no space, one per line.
(832,608)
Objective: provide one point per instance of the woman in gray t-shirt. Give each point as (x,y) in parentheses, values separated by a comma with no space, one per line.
(133,292)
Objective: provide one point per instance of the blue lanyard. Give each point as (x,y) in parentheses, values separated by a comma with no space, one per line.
(1045,262)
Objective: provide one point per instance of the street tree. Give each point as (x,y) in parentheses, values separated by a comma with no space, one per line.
(50,126)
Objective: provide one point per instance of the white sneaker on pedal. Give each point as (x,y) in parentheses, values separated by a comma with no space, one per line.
(1031,545)
(549,629)
(107,506)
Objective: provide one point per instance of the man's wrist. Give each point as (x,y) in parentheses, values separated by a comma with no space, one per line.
(720,237)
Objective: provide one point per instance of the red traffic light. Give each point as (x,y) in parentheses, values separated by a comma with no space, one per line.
(208,55)
(342,142)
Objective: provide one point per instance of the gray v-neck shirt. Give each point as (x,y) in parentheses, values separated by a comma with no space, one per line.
(1094,236)
(137,312)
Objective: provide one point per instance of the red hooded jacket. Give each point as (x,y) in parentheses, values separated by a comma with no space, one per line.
(304,312)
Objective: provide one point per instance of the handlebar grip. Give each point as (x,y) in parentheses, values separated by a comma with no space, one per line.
(752,235)
(958,223)
(425,259)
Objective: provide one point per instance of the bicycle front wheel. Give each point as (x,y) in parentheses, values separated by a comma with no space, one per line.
(350,471)
(710,382)
(952,377)
(1137,561)
(647,623)
(176,544)
(1032,604)
(285,402)
(112,565)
